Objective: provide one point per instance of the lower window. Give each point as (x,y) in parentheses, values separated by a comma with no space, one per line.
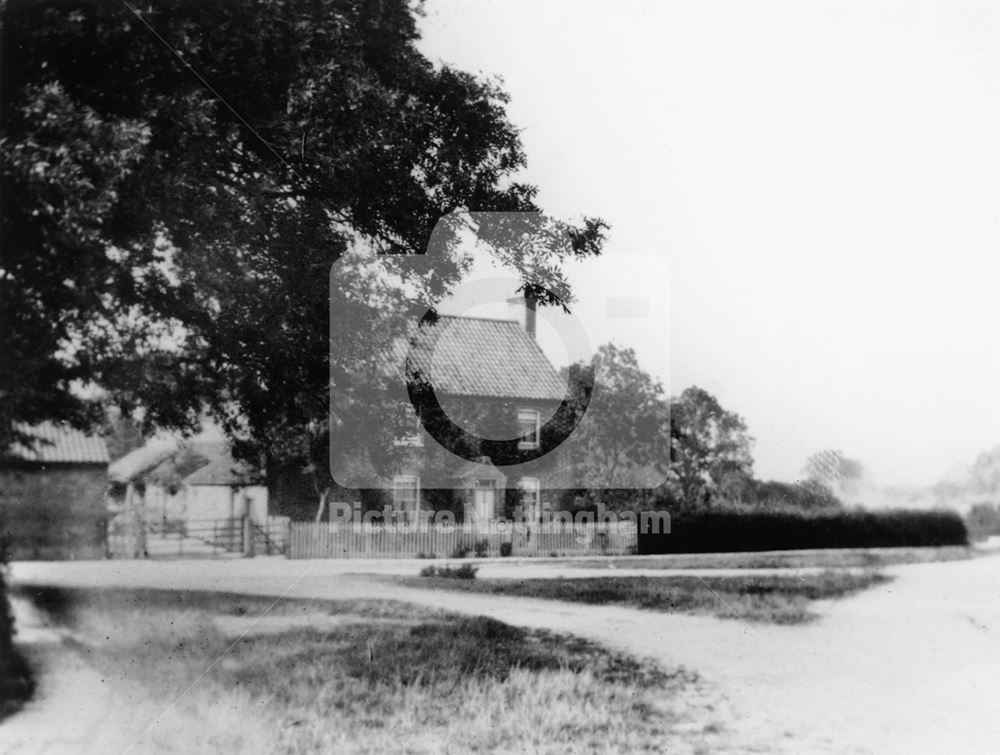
(406,494)
(531,498)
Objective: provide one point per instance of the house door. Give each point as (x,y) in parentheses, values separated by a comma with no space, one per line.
(484,497)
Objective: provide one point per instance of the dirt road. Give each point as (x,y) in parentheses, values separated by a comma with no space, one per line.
(909,667)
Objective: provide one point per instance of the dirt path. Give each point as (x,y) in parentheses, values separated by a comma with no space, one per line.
(911,667)
(73,711)
(908,667)
(77,711)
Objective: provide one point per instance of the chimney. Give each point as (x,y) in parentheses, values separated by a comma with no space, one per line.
(522,309)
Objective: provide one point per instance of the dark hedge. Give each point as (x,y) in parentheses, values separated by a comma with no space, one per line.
(712,532)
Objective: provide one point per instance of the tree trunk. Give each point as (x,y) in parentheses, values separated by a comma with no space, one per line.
(323,498)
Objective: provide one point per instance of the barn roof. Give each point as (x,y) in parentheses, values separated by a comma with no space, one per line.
(225,470)
(471,356)
(161,459)
(137,462)
(57,443)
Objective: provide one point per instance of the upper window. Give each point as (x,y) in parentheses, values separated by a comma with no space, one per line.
(416,437)
(406,493)
(528,421)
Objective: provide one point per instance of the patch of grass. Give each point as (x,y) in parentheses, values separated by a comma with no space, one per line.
(71,606)
(465,571)
(824,559)
(774,599)
(463,684)
(429,682)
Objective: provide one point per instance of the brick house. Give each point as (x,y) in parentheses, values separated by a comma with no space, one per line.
(52,494)
(489,369)
(493,371)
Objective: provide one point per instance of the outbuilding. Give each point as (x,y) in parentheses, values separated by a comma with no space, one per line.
(52,494)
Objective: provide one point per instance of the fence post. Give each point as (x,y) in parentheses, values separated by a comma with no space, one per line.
(248,537)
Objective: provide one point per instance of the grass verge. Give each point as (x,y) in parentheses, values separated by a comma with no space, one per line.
(369,676)
(837,558)
(774,599)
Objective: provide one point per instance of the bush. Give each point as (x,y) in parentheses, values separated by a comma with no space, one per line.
(480,548)
(16,683)
(506,549)
(465,571)
(808,497)
(718,532)
(983,521)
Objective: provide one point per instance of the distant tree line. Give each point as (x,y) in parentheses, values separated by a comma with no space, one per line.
(700,452)
(983,521)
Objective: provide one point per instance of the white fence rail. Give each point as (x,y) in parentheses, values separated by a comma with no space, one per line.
(311,540)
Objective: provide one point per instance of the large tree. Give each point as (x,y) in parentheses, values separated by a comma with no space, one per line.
(178,180)
(709,446)
(622,441)
(638,446)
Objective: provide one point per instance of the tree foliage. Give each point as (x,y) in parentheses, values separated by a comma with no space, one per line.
(710,446)
(122,434)
(695,450)
(623,416)
(983,521)
(984,474)
(831,472)
(178,182)
(801,497)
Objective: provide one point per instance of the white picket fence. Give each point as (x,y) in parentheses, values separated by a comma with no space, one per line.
(311,540)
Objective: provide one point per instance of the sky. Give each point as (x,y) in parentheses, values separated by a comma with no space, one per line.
(814,188)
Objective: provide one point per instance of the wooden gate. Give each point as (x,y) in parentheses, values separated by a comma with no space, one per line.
(197,538)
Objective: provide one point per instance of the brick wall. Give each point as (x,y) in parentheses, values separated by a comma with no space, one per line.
(54,511)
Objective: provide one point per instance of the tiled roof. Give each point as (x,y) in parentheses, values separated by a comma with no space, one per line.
(59,444)
(225,470)
(468,356)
